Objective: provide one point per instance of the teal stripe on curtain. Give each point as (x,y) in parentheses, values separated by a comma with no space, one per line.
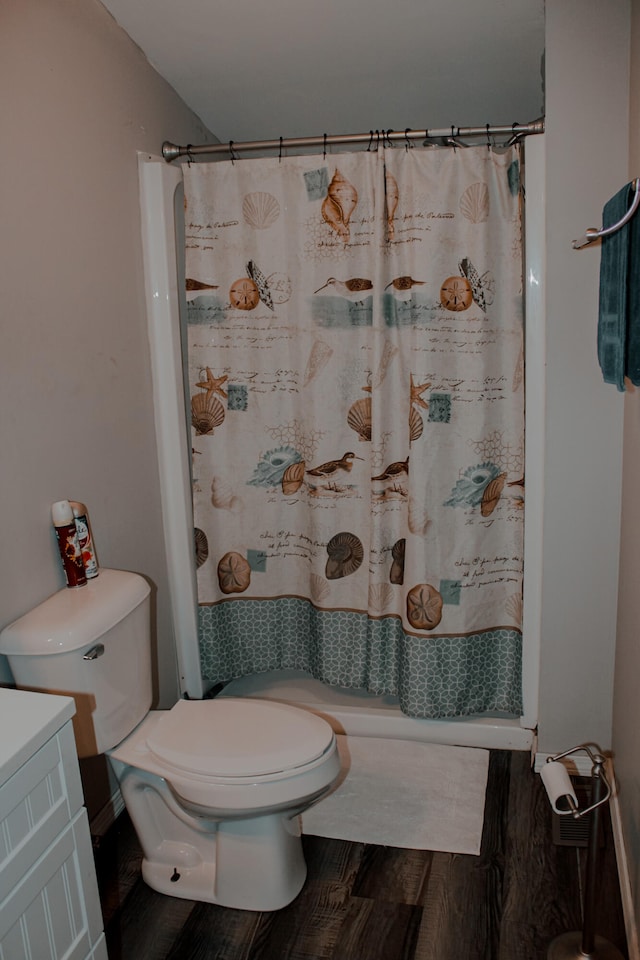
(433,678)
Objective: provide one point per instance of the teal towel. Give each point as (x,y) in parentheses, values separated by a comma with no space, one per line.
(619,312)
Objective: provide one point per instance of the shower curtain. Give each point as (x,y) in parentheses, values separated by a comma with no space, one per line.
(355,358)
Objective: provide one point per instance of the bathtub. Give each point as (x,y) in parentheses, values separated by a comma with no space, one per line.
(352,712)
(355,713)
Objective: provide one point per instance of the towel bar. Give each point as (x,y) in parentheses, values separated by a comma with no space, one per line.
(592,234)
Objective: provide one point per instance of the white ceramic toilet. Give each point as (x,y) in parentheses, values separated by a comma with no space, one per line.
(213,787)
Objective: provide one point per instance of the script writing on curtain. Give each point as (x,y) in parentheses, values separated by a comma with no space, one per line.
(355,338)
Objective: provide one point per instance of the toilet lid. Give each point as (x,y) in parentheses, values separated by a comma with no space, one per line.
(234,737)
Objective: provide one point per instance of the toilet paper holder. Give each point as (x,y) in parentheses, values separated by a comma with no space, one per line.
(578,945)
(558,783)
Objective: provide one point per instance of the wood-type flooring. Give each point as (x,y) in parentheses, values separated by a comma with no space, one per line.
(365,902)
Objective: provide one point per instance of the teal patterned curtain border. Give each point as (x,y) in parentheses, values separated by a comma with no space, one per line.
(434,677)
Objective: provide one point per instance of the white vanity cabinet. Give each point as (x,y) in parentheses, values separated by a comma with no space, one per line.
(49,903)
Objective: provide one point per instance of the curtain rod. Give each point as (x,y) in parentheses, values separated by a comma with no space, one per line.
(171,151)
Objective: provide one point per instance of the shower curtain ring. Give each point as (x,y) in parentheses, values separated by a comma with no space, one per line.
(407,143)
(280,152)
(514,136)
(324,146)
(370,140)
(232,152)
(488,138)
(190,159)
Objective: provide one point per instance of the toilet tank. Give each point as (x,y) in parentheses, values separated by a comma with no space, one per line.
(91,643)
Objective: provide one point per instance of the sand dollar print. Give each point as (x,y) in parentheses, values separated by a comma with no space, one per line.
(456,294)
(234,573)
(424,607)
(244,294)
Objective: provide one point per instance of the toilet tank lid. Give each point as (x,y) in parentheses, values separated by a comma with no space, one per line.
(75,616)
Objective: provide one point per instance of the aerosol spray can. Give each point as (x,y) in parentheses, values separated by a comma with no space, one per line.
(85,539)
(68,545)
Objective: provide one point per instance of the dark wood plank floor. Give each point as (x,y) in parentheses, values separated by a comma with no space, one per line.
(364,902)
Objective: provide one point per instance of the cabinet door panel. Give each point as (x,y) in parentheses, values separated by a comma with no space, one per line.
(46,913)
(35,809)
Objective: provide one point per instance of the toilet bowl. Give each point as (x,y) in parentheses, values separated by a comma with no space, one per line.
(214,788)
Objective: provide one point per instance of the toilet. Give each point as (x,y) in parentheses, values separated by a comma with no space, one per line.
(214,788)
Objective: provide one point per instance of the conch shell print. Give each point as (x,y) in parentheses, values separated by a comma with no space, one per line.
(224,494)
(392,195)
(339,204)
(318,358)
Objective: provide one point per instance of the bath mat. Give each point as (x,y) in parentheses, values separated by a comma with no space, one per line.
(402,793)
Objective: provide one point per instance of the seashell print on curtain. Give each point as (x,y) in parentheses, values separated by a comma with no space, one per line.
(355,375)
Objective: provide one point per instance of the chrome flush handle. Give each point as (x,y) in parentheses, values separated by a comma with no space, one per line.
(95,652)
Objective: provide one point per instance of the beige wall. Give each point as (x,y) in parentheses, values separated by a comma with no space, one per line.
(75,390)
(626,703)
(76,414)
(586,148)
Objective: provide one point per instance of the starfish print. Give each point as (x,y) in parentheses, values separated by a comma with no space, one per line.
(416,393)
(213,384)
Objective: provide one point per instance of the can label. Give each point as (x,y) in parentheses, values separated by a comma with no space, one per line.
(71,556)
(86,547)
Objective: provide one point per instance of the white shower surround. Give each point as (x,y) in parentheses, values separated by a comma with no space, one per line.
(353,712)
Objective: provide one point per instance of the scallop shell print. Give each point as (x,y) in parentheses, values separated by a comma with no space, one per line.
(339,204)
(345,555)
(260,210)
(381,596)
(319,588)
(359,418)
(416,424)
(514,607)
(207,413)
(474,203)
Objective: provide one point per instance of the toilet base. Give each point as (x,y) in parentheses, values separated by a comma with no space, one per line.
(255,865)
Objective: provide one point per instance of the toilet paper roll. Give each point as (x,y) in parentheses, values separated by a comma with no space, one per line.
(558,786)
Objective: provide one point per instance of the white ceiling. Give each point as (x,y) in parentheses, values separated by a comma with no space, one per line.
(260,69)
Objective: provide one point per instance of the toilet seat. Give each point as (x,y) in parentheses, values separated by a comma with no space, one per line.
(233,739)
